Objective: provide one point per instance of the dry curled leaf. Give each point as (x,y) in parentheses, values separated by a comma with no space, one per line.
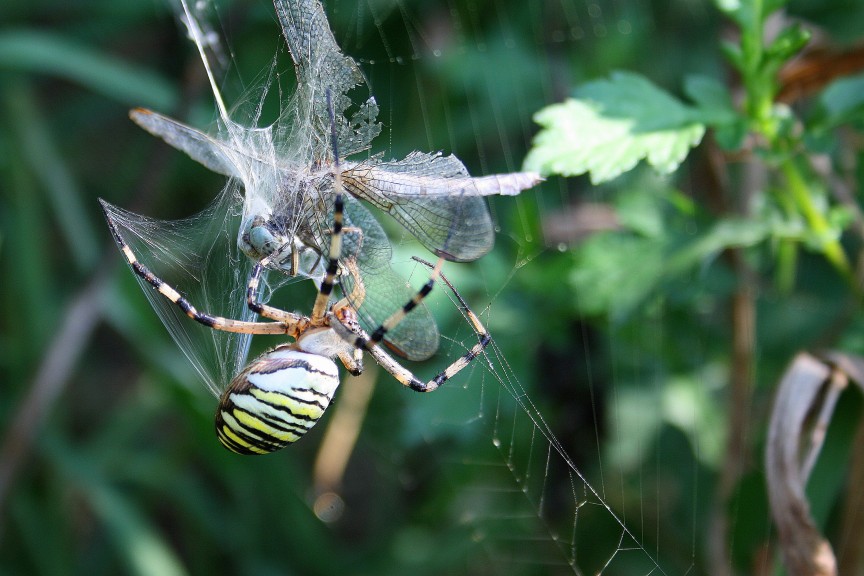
(804,549)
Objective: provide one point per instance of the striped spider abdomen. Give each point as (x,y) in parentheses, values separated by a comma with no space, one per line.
(275,400)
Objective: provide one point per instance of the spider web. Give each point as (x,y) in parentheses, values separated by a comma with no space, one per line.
(530,501)
(523,501)
(527,502)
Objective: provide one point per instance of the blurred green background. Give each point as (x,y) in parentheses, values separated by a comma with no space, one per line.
(108,461)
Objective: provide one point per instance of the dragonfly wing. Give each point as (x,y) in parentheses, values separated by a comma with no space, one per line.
(321,66)
(436,200)
(384,291)
(374,289)
(458,229)
(196,144)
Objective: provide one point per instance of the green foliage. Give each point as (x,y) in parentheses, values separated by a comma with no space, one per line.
(841,102)
(622,339)
(610,126)
(778,225)
(613,124)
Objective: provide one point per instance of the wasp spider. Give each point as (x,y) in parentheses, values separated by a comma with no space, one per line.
(281,394)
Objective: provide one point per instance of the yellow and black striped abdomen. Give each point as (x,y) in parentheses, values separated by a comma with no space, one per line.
(275,400)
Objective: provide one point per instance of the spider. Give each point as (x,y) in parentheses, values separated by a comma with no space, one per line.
(281,394)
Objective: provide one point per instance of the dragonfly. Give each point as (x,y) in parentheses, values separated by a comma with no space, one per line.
(282,177)
(286,173)
(286,169)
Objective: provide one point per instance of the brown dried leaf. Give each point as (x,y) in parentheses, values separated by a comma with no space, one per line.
(805,551)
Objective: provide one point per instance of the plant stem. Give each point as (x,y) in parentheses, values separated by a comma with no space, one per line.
(760,109)
(759,85)
(787,260)
(830,246)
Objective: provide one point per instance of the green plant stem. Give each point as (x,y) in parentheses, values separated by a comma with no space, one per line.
(830,246)
(759,81)
(759,104)
(787,250)
(787,260)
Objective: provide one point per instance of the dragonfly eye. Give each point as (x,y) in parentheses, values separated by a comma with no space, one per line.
(262,240)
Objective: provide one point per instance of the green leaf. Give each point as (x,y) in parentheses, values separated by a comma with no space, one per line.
(729,233)
(138,541)
(632,96)
(713,101)
(788,43)
(616,272)
(708,92)
(50,168)
(610,127)
(842,101)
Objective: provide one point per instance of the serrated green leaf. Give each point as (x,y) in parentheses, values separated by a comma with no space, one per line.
(611,127)
(630,95)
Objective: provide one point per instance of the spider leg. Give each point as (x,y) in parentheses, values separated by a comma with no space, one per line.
(322,301)
(399,372)
(288,325)
(352,362)
(323,298)
(483,337)
(265,310)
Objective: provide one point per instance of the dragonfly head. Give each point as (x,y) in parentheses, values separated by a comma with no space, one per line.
(261,237)
(265,237)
